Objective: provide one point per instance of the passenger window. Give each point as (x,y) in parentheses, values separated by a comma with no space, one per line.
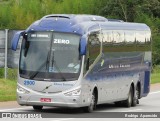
(143,41)
(140,37)
(130,37)
(113,41)
(94,46)
(107,37)
(107,40)
(118,37)
(130,40)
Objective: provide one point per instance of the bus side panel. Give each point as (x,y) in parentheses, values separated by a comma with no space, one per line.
(146,82)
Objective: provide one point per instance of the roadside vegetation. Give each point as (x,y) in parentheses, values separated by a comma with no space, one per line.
(7,90)
(155,77)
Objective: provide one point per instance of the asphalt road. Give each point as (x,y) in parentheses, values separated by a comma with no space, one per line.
(148,105)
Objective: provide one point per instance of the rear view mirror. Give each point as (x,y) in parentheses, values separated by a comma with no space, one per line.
(15,39)
(83,45)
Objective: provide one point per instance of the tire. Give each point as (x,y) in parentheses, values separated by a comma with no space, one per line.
(129,101)
(136,97)
(92,105)
(37,107)
(118,104)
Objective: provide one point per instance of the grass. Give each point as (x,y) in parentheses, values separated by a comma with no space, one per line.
(7,90)
(155,78)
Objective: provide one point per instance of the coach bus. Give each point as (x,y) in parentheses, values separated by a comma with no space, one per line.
(81,61)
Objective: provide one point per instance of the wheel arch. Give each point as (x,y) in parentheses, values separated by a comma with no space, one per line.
(133,87)
(95,90)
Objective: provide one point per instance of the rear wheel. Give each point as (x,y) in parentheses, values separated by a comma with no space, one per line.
(92,105)
(136,97)
(129,100)
(37,107)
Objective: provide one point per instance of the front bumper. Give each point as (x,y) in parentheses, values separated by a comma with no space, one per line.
(57,100)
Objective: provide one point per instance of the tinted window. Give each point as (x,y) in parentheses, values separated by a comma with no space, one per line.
(113,41)
(143,42)
(118,37)
(94,46)
(130,40)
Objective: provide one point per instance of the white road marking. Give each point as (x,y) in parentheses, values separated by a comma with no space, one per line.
(63,119)
(131,110)
(14,109)
(154,92)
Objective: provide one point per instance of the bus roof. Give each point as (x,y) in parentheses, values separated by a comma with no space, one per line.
(81,24)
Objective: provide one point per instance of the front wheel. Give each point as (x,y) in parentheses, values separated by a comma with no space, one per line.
(37,107)
(92,105)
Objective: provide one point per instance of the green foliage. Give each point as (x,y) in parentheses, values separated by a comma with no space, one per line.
(155,78)
(19,14)
(11,73)
(156,69)
(7,90)
(1,73)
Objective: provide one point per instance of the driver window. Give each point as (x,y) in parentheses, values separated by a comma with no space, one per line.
(94,46)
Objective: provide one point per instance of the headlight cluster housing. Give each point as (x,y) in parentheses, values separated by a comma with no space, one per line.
(76,92)
(22,90)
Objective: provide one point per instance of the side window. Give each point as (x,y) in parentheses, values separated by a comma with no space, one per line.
(142,41)
(118,37)
(148,40)
(107,40)
(140,37)
(130,40)
(107,37)
(130,37)
(94,46)
(113,41)
(148,36)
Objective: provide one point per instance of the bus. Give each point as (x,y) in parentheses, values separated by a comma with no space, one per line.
(80,61)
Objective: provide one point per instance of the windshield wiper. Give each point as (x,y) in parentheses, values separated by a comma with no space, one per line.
(46,63)
(59,71)
(53,63)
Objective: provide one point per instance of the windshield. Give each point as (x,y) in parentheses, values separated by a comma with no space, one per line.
(50,56)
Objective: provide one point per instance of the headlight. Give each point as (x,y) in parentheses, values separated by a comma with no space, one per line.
(76,92)
(22,90)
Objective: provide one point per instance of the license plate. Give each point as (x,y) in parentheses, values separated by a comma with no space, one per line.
(45,99)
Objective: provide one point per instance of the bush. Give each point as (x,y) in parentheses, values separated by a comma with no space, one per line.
(156,69)
(11,73)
